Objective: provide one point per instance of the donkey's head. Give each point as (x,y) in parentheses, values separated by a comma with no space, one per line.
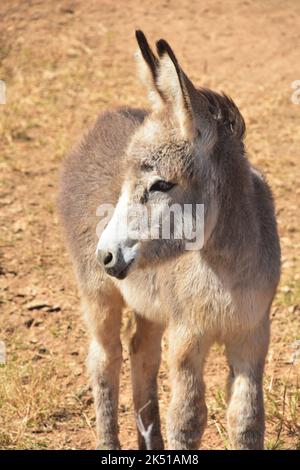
(169,177)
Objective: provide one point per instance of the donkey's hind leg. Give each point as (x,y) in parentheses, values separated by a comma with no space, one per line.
(103,314)
(145,352)
(245,416)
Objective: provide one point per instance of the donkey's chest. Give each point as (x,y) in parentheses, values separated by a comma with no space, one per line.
(142,292)
(192,295)
(173,292)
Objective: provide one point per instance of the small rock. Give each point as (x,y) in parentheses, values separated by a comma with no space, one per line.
(43,350)
(19,226)
(9,329)
(68,10)
(89,401)
(291,228)
(292,308)
(29,322)
(55,308)
(37,357)
(37,305)
(295,357)
(274,311)
(2,353)
(43,305)
(295,344)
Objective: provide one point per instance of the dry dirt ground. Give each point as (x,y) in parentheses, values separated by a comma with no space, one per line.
(63,62)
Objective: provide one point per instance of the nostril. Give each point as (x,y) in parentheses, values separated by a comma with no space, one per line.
(107,258)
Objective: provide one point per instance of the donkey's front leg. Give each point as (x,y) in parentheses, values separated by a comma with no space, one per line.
(245,416)
(187,414)
(104,361)
(145,352)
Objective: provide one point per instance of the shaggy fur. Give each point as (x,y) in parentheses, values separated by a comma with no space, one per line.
(223,292)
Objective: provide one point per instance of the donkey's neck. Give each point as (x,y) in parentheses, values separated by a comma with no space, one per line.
(230,185)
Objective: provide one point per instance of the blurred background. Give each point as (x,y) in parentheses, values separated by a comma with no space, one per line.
(62,62)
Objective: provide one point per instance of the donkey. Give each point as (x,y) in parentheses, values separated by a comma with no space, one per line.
(187,149)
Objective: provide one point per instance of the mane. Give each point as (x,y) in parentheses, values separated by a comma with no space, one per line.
(223,109)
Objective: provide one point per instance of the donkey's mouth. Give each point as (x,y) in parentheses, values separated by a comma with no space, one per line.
(120,274)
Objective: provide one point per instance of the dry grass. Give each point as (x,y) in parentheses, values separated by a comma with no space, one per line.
(63,62)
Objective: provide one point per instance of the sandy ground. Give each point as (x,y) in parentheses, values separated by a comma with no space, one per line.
(63,62)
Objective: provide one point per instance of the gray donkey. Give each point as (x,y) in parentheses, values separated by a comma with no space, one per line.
(187,149)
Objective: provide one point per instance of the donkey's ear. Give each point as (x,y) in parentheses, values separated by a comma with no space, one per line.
(148,67)
(176,89)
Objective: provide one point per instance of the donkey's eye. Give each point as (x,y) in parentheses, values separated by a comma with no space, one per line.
(162,186)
